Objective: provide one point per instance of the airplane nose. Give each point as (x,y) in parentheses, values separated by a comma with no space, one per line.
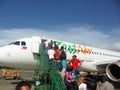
(4,55)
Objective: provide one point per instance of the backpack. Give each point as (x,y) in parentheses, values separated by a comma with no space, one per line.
(62,55)
(69,76)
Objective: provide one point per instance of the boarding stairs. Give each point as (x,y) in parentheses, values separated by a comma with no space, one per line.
(47,79)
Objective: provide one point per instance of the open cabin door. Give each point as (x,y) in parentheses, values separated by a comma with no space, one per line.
(35,44)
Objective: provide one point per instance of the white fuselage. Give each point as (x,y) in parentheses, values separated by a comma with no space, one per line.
(22,56)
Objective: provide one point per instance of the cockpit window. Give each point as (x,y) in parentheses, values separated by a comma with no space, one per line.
(23,43)
(15,43)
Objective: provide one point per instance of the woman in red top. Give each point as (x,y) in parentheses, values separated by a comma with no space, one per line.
(57,56)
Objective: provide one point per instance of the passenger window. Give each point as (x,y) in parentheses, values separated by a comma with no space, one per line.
(23,43)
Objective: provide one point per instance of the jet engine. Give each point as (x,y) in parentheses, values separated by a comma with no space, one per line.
(113,71)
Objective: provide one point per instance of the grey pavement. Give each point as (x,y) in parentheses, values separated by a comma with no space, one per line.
(10,84)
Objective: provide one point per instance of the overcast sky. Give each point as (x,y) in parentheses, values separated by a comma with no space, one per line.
(89,22)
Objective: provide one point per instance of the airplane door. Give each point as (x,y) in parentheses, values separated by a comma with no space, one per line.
(35,44)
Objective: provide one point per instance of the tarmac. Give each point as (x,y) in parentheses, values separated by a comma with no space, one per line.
(10,83)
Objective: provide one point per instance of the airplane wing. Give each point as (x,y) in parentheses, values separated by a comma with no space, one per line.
(99,62)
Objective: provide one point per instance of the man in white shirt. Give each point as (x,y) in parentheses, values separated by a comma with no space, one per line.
(50,53)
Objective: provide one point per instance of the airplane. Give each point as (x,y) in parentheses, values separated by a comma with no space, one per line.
(23,53)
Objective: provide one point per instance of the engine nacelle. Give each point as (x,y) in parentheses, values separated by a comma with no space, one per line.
(113,71)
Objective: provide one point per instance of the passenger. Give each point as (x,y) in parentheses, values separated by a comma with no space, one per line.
(92,76)
(70,65)
(69,76)
(81,79)
(70,82)
(46,45)
(91,84)
(75,64)
(81,82)
(50,44)
(50,56)
(23,85)
(105,84)
(43,43)
(87,84)
(55,45)
(63,62)
(83,86)
(57,56)
(51,53)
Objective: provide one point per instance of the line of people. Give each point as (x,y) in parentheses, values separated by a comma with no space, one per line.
(67,68)
(70,70)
